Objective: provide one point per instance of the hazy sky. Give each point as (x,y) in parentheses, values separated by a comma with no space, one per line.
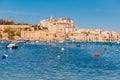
(93,14)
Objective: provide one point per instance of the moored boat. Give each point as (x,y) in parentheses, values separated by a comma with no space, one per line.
(12,46)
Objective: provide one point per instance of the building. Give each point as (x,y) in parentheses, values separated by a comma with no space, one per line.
(35,35)
(65,29)
(13,27)
(60,25)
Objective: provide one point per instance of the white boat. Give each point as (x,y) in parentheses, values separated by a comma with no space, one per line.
(61,41)
(5,56)
(12,46)
(118,42)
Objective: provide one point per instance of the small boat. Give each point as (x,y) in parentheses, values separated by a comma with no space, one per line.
(61,41)
(78,45)
(12,46)
(5,56)
(118,42)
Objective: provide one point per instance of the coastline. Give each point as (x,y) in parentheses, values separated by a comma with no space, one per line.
(23,41)
(50,30)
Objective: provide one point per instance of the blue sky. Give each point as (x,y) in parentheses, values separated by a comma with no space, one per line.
(93,14)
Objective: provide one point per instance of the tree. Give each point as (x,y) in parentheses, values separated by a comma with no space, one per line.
(45,28)
(86,35)
(26,28)
(6,30)
(22,23)
(66,36)
(1,35)
(18,33)
(10,33)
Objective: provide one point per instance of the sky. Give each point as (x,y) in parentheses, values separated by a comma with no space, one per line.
(87,14)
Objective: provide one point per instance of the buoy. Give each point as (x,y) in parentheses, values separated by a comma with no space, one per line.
(58,56)
(105,48)
(62,49)
(97,54)
(5,56)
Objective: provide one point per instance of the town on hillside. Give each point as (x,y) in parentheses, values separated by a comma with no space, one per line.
(59,29)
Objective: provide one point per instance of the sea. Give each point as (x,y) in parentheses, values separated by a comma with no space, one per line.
(61,61)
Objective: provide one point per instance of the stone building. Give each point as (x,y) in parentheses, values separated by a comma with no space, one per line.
(65,29)
(63,25)
(13,27)
(35,35)
(59,27)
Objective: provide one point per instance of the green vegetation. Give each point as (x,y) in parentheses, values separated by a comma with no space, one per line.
(27,29)
(10,33)
(36,27)
(87,33)
(23,23)
(7,30)
(18,33)
(45,28)
(1,35)
(66,36)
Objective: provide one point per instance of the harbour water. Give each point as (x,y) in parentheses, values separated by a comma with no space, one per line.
(40,61)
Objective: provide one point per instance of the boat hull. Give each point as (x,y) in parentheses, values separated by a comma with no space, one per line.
(11,46)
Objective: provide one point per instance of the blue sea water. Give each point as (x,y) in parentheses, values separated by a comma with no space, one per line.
(39,61)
